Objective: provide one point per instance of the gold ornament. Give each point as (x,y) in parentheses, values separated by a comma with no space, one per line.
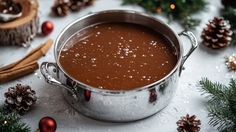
(231,62)
(172,6)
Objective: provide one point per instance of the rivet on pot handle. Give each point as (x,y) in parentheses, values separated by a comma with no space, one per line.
(44,68)
(194,45)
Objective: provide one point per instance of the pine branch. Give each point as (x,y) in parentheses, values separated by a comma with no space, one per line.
(175,10)
(222,104)
(190,23)
(10,122)
(229,13)
(220,117)
(214,91)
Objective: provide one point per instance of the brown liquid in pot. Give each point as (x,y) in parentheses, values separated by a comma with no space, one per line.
(118,56)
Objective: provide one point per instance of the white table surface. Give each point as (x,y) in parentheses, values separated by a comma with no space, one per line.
(202,63)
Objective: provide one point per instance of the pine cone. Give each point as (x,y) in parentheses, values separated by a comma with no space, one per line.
(217,34)
(88,2)
(188,124)
(231,62)
(60,8)
(76,5)
(20,98)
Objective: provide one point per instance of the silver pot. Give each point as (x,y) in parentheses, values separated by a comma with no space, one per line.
(114,105)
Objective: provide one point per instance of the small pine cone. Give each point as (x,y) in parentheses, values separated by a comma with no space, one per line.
(60,8)
(20,98)
(188,124)
(231,62)
(76,5)
(217,34)
(88,2)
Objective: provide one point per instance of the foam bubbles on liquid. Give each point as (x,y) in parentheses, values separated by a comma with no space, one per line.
(77,55)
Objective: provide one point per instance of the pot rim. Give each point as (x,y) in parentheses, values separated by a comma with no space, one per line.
(98,90)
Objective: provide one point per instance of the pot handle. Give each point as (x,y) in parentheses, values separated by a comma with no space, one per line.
(45,69)
(194,45)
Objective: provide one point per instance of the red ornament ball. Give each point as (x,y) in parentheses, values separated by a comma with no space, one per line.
(47,27)
(47,124)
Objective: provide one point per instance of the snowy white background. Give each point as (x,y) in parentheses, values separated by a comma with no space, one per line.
(202,63)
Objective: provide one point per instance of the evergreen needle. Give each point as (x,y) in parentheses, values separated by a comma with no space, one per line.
(222,104)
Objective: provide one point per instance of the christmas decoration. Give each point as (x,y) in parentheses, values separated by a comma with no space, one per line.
(60,8)
(177,9)
(21,30)
(221,104)
(9,7)
(229,13)
(11,122)
(88,2)
(76,5)
(217,34)
(47,124)
(20,98)
(47,27)
(188,124)
(231,62)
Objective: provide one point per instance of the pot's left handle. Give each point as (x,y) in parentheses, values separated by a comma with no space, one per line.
(194,45)
(45,70)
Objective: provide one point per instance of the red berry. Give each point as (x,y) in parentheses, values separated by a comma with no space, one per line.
(47,27)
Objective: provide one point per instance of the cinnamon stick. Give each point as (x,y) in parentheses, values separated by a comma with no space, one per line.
(34,55)
(26,65)
(18,72)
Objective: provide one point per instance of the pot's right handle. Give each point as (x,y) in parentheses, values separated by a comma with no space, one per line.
(45,70)
(194,45)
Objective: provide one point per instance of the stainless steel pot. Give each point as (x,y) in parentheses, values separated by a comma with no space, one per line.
(111,105)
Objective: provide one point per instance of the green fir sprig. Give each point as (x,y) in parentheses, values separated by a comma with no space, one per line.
(221,104)
(180,10)
(11,122)
(229,13)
